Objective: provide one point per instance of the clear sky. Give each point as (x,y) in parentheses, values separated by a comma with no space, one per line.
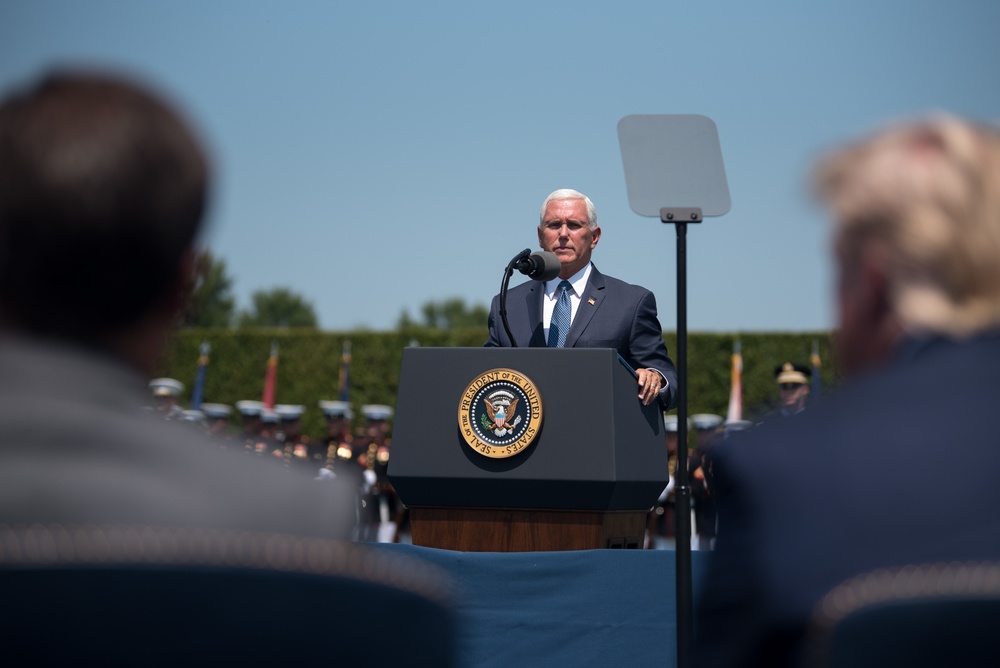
(376,156)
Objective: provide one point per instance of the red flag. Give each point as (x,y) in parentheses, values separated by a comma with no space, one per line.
(271,379)
(735,413)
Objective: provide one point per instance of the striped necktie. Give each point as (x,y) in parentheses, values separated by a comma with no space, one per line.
(561,316)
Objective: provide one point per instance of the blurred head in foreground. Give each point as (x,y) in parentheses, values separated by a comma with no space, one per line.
(102,192)
(917,235)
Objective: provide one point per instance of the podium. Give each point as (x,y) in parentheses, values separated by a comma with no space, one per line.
(587,479)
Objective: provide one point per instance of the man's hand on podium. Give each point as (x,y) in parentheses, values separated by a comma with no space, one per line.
(650,384)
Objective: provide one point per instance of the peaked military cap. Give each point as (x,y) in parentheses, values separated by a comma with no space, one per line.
(289,412)
(377,411)
(670,422)
(215,411)
(166,387)
(250,408)
(703,421)
(336,409)
(792,373)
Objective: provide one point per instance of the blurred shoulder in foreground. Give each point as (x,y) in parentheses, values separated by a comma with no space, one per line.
(103,188)
(851,485)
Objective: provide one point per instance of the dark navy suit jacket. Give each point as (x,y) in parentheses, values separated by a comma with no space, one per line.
(898,467)
(612,314)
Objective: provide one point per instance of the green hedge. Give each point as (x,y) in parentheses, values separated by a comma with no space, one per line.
(309,365)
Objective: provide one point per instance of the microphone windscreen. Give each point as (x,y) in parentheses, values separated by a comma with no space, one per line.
(549,266)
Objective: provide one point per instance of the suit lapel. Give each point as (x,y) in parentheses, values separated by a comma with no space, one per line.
(590,301)
(536,328)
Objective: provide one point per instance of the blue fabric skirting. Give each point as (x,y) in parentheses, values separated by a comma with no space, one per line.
(577,608)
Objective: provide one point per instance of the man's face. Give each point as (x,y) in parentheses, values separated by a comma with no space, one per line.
(335,427)
(163,402)
(793,396)
(291,428)
(217,425)
(566,233)
(251,424)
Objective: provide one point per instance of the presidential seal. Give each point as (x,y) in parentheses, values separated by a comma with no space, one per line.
(500,413)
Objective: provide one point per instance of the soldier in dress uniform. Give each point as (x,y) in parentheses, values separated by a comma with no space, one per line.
(339,449)
(378,496)
(217,424)
(194,417)
(255,440)
(270,431)
(708,430)
(793,387)
(339,459)
(165,396)
(298,449)
(660,525)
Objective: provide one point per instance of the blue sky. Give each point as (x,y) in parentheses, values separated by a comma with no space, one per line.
(376,156)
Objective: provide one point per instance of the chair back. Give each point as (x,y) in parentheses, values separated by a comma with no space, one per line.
(171,596)
(914,616)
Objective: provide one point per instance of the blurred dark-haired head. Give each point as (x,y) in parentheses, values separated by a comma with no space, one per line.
(102,192)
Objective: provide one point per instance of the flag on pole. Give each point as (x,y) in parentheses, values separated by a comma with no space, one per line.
(271,379)
(199,380)
(345,371)
(735,413)
(816,365)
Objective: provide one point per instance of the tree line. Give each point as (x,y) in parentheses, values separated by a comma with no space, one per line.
(213,305)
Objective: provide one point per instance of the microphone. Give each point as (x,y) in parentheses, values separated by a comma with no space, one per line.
(540,265)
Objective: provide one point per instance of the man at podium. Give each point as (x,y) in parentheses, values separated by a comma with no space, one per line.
(583,308)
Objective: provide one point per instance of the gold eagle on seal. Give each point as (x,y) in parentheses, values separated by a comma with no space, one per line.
(498,414)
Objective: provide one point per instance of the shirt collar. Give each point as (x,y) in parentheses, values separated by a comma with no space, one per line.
(577,280)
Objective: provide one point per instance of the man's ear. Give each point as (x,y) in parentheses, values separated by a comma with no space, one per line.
(869,329)
(873,288)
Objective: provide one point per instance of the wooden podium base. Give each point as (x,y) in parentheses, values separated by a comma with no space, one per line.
(516,530)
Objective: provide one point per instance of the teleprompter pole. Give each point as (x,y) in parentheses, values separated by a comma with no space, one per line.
(680,218)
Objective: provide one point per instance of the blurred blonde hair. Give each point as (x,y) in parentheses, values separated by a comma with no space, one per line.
(928,195)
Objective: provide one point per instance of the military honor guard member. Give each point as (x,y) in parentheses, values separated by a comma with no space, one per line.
(378,496)
(339,451)
(166,393)
(299,449)
(270,430)
(708,430)
(217,423)
(252,432)
(660,527)
(793,387)
(194,417)
(338,461)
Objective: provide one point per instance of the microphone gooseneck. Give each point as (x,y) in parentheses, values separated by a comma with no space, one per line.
(539,266)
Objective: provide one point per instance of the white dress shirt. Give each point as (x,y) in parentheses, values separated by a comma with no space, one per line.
(579,283)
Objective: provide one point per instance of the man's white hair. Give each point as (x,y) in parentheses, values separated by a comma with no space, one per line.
(568,193)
